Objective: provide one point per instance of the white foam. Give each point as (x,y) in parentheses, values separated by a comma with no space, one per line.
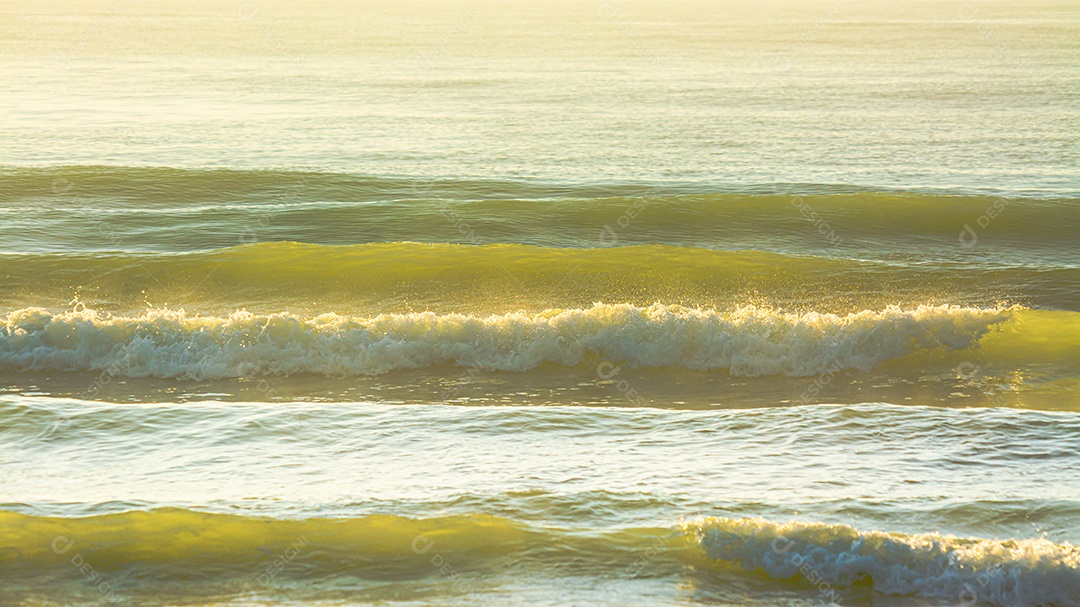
(748,341)
(1009,573)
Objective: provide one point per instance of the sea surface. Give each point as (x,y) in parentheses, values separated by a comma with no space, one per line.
(540,303)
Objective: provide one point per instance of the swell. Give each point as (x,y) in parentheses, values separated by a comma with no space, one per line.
(746,341)
(171,545)
(160,184)
(104,208)
(406,276)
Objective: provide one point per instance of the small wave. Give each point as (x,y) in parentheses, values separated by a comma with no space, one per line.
(402,276)
(747,341)
(152,184)
(1009,573)
(172,544)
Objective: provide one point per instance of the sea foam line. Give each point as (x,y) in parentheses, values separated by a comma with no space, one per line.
(1009,573)
(747,341)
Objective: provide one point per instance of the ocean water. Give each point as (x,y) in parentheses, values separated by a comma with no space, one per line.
(540,303)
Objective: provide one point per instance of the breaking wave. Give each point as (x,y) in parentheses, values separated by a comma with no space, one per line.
(1010,573)
(746,341)
(177,544)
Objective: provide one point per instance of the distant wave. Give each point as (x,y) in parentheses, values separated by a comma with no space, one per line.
(153,183)
(747,341)
(105,208)
(822,560)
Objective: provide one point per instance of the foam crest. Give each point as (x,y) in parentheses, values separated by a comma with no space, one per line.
(747,341)
(1009,573)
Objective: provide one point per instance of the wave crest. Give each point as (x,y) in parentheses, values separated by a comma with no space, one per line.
(747,341)
(1010,573)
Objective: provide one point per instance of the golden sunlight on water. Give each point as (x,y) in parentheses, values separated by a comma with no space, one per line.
(540,303)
